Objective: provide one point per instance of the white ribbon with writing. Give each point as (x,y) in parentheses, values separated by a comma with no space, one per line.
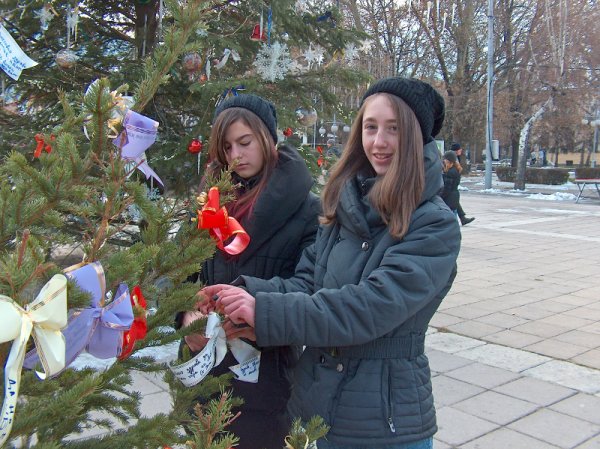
(12,59)
(45,317)
(195,370)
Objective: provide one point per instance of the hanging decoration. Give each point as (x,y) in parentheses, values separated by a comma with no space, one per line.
(195,146)
(226,53)
(258,32)
(97,329)
(138,134)
(139,327)
(46,14)
(192,63)
(42,145)
(13,60)
(220,225)
(306,117)
(350,53)
(288,132)
(230,92)
(67,58)
(321,159)
(45,316)
(273,62)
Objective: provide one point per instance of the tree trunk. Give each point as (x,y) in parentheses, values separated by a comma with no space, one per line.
(146,24)
(522,166)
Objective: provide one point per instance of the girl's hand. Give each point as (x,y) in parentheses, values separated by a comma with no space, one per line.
(236,331)
(196,342)
(237,304)
(207,298)
(191,316)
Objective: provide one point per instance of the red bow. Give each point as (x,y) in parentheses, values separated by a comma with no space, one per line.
(138,328)
(221,226)
(321,160)
(42,145)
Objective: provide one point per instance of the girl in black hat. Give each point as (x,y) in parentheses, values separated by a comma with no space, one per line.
(275,206)
(364,292)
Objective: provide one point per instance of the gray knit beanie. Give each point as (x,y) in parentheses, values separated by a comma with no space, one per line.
(450,156)
(422,98)
(259,106)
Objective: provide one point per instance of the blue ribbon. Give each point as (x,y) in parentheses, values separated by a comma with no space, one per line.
(269,25)
(230,92)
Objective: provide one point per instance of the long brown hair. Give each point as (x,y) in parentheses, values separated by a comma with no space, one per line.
(396,194)
(245,201)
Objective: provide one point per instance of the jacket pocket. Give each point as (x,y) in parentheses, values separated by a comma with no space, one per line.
(386,397)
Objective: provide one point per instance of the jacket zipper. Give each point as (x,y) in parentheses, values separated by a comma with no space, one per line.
(387,383)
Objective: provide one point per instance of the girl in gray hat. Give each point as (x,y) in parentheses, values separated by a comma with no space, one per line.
(364,292)
(275,206)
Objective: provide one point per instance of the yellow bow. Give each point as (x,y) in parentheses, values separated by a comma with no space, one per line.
(45,316)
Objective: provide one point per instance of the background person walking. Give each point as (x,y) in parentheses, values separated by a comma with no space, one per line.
(464,220)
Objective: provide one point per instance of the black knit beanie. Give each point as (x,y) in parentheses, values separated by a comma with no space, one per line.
(424,100)
(455,147)
(259,106)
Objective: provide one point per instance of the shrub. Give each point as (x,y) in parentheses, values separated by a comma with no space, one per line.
(587,173)
(551,176)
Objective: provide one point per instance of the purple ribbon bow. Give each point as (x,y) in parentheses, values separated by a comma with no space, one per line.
(138,134)
(97,329)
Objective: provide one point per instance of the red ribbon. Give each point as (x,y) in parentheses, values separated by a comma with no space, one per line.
(42,145)
(321,160)
(221,226)
(138,328)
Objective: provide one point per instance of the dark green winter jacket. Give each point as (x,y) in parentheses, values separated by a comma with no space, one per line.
(284,222)
(360,301)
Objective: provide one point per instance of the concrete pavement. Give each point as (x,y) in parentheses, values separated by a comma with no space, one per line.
(515,346)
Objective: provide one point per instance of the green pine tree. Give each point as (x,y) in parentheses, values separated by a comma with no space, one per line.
(83,196)
(112,36)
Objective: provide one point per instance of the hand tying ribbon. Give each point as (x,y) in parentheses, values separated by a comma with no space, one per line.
(42,145)
(195,370)
(221,226)
(45,316)
(97,329)
(139,328)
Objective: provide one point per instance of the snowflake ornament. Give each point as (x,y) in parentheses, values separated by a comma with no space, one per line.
(301,6)
(366,47)
(350,52)
(45,15)
(319,54)
(273,62)
(309,55)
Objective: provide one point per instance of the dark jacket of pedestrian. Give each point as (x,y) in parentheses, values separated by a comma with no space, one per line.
(451,175)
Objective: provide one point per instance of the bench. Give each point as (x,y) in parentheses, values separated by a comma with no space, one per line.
(581,183)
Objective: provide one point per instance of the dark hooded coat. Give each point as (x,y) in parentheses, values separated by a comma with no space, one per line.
(361,301)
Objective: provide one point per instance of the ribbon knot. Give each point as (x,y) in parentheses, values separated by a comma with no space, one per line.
(221,226)
(43,318)
(139,328)
(42,145)
(97,329)
(195,370)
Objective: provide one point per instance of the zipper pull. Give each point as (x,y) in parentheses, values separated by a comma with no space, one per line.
(391,423)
